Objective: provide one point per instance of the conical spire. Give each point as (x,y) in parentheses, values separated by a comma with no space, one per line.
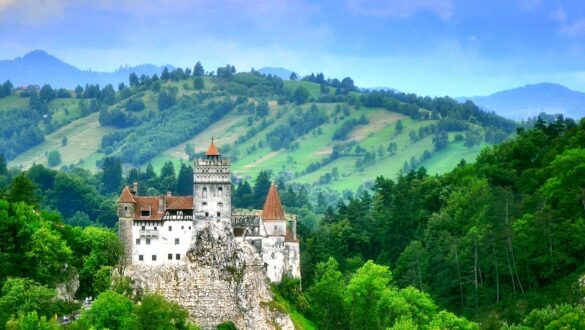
(212,150)
(126,196)
(272,207)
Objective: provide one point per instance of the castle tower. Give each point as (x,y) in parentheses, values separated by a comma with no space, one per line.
(126,208)
(212,185)
(273,214)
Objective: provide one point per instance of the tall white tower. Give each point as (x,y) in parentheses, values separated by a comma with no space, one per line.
(212,185)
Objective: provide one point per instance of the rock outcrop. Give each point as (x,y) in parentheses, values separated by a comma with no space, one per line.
(220,280)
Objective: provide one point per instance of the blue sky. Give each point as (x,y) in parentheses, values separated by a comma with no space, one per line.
(430,47)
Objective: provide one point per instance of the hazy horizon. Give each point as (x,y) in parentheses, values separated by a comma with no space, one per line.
(435,47)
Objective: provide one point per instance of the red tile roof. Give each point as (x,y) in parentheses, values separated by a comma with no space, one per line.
(179,202)
(212,150)
(151,203)
(126,196)
(272,207)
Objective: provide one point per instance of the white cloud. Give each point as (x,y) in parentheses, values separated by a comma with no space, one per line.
(401,8)
(32,12)
(571,28)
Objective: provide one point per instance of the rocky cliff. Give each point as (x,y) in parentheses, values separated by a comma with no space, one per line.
(220,280)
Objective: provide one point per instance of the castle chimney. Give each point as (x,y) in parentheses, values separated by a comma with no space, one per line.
(135,188)
(168,194)
(161,203)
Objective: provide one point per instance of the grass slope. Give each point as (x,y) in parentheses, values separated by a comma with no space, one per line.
(83,136)
(254,155)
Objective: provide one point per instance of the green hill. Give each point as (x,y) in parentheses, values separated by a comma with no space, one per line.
(323,133)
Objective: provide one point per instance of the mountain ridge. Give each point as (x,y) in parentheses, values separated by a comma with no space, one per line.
(38,67)
(532,99)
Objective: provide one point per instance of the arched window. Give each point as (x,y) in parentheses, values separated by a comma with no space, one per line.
(204,192)
(220,191)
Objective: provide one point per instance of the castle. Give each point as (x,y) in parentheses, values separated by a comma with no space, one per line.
(159,230)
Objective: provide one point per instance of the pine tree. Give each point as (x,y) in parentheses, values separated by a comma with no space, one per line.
(3,167)
(261,187)
(112,175)
(22,190)
(185,181)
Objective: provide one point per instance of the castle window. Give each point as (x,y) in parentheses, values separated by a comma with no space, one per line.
(204,203)
(145,213)
(182,227)
(155,228)
(170,256)
(143,227)
(148,241)
(220,204)
(189,227)
(220,191)
(218,214)
(141,257)
(170,228)
(138,241)
(206,214)
(154,257)
(125,208)
(176,241)
(204,192)
(177,256)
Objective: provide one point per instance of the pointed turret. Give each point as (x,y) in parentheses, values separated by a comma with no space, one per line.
(212,150)
(272,207)
(126,196)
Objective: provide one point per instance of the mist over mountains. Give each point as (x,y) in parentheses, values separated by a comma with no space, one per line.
(531,100)
(38,67)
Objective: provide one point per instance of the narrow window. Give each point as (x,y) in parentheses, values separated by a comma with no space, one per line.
(141,257)
(143,227)
(189,227)
(182,227)
(138,241)
(125,208)
(218,214)
(148,241)
(177,256)
(176,241)
(154,257)
(154,228)
(170,256)
(220,191)
(204,192)
(206,214)
(170,228)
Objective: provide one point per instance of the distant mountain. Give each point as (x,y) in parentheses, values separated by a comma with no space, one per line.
(38,68)
(283,73)
(530,100)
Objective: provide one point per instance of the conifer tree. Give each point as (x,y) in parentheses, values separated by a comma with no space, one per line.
(185,181)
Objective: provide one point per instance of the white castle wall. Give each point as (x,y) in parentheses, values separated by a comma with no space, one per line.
(158,238)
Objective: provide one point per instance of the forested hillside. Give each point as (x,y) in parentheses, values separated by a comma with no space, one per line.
(497,243)
(315,131)
(492,240)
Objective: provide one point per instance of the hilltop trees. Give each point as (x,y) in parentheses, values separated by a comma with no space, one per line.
(6,89)
(198,70)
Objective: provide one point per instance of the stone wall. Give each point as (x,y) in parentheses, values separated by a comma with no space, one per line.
(222,280)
